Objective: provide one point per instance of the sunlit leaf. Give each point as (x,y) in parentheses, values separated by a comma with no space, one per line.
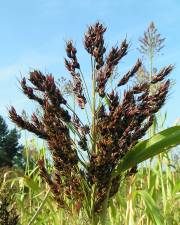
(144,150)
(152,209)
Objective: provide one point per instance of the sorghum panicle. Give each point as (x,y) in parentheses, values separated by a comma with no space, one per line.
(94,43)
(52,127)
(72,66)
(151,41)
(119,125)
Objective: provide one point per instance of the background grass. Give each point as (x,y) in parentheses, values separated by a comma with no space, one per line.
(149,197)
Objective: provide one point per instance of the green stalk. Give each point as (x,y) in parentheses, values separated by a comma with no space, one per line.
(168,176)
(130,210)
(94,217)
(151,62)
(86,89)
(103,216)
(162,184)
(151,130)
(93,106)
(27,155)
(74,106)
(39,209)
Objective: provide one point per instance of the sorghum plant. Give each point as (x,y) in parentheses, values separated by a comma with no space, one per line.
(117,124)
(151,42)
(151,45)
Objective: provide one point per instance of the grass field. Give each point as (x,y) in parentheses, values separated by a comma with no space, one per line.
(149,197)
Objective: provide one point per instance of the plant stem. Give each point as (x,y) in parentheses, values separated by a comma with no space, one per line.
(93,106)
(39,209)
(86,89)
(151,52)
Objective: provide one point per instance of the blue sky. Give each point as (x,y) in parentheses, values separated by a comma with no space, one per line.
(33,34)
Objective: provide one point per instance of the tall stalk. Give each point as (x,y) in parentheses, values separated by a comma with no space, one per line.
(151,45)
(93,105)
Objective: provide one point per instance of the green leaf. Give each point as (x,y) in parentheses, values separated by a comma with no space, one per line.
(176,188)
(151,207)
(107,100)
(31,183)
(146,149)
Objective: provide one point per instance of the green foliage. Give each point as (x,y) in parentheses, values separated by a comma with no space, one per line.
(151,207)
(135,203)
(10,150)
(146,149)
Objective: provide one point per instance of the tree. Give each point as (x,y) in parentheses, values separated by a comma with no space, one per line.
(10,150)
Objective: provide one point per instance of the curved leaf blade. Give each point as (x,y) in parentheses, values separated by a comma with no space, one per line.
(146,149)
(152,209)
